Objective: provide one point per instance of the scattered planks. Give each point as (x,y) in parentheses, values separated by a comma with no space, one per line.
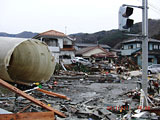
(29,116)
(53,94)
(32,99)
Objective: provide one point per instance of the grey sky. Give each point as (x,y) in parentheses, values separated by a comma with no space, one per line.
(78,15)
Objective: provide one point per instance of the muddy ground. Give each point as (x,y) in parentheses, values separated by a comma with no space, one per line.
(90,98)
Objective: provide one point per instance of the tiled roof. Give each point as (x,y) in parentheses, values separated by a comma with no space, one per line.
(84,50)
(53,33)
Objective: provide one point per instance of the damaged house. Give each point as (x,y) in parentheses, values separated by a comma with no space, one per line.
(61,45)
(132,49)
(96,53)
(79,46)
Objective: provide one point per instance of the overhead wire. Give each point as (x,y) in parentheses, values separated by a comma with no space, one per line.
(153,7)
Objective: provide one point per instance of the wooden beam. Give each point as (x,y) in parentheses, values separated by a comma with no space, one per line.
(25,108)
(29,116)
(53,94)
(32,99)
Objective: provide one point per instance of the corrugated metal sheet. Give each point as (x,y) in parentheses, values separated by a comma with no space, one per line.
(25,60)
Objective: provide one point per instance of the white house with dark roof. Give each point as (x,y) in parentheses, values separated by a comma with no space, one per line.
(61,45)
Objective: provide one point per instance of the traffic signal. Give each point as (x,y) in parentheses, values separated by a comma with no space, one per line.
(124,22)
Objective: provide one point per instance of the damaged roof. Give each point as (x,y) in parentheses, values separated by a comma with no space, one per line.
(87,49)
(103,55)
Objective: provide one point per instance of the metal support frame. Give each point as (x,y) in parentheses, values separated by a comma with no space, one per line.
(133,6)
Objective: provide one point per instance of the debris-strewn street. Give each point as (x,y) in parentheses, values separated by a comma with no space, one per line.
(92,97)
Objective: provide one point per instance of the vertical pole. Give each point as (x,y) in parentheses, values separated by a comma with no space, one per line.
(145,45)
(66,30)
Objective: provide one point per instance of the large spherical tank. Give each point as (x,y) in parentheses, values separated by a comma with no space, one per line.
(25,60)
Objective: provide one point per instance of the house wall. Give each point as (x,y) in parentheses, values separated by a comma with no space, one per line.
(67,41)
(60,42)
(154,60)
(55,53)
(91,52)
(56,57)
(68,53)
(55,44)
(128,49)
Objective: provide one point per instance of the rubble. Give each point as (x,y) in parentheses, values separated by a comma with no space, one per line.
(93,96)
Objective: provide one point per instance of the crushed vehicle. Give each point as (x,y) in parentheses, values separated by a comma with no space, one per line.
(80,60)
(154,68)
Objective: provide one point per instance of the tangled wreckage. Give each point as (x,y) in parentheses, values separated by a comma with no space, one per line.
(34,93)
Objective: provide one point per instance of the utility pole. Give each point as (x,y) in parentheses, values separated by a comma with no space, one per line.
(66,30)
(124,25)
(144,45)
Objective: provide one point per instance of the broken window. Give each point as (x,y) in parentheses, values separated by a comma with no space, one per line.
(65,57)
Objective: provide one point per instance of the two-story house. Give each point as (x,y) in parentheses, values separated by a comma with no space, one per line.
(133,49)
(61,45)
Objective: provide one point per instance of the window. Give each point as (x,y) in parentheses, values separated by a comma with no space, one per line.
(65,57)
(155,47)
(130,47)
(122,47)
(138,45)
(125,47)
(150,60)
(51,42)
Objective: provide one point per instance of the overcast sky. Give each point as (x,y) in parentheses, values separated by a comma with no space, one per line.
(87,16)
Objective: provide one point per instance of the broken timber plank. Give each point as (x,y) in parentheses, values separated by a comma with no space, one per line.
(25,108)
(53,94)
(32,99)
(29,116)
